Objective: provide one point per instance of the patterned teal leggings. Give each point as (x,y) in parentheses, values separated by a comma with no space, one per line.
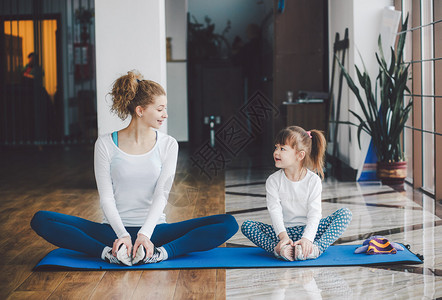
(329,230)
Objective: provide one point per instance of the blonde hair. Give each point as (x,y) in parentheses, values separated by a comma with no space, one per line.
(312,142)
(130,91)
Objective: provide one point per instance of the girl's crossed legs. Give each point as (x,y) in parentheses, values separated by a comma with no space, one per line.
(329,230)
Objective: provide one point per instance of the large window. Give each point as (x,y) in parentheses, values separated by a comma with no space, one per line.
(47,72)
(423,136)
(20,34)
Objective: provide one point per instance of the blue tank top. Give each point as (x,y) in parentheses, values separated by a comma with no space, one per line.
(115,137)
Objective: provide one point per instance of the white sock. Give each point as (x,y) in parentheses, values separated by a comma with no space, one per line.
(164,254)
(315,253)
(105,250)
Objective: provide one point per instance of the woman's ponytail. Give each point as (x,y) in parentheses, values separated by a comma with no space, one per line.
(123,92)
(130,91)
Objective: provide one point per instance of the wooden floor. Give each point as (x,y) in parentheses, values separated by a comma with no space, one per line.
(62,180)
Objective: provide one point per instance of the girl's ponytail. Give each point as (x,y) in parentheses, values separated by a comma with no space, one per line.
(317,152)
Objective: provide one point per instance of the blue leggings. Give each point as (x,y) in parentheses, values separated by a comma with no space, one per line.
(89,237)
(329,230)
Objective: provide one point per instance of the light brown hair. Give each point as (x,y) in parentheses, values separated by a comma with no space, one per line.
(312,142)
(130,91)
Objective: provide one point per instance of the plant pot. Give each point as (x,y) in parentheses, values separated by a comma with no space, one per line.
(392,173)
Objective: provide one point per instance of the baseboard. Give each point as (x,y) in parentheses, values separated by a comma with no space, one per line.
(340,170)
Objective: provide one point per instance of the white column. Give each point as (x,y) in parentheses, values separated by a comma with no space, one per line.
(129,35)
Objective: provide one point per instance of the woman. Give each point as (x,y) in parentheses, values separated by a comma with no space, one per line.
(134,170)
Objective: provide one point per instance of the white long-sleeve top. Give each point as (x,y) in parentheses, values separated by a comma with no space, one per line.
(294,203)
(134,189)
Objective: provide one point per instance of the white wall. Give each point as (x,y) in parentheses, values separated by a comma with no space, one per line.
(176,28)
(177,101)
(341,16)
(363,19)
(128,36)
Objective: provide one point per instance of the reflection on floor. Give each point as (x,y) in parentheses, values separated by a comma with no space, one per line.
(409,217)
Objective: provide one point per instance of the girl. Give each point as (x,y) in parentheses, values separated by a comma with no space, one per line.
(293,197)
(134,171)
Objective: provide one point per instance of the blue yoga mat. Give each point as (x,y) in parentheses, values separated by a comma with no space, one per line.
(247,257)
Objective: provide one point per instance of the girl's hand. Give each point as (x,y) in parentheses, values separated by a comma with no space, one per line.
(307,246)
(284,240)
(126,240)
(147,244)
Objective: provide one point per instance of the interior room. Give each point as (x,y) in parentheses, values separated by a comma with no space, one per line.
(345,93)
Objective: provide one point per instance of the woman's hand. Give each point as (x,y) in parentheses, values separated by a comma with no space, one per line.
(126,240)
(284,240)
(307,246)
(147,244)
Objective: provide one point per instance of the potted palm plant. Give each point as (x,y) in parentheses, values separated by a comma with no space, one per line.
(384,118)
